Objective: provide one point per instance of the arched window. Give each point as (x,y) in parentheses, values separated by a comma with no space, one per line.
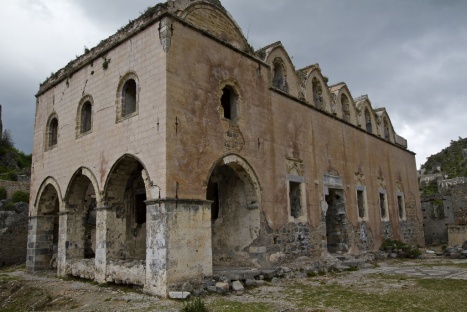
(229,103)
(129,97)
(345,108)
(52,132)
(369,127)
(317,93)
(387,136)
(279,81)
(86,117)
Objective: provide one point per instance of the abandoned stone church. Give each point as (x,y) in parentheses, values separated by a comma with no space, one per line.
(172,149)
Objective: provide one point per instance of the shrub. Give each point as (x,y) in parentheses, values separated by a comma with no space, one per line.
(2,193)
(9,206)
(20,196)
(195,305)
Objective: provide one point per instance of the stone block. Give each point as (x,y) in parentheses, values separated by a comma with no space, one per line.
(257,250)
(268,274)
(237,285)
(179,295)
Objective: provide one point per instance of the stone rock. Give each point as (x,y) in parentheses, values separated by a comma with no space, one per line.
(286,270)
(275,280)
(251,282)
(211,289)
(430,252)
(464,245)
(393,255)
(237,286)
(187,287)
(222,288)
(268,274)
(200,292)
(179,295)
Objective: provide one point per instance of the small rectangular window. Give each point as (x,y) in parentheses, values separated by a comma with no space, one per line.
(382,205)
(361,204)
(401,206)
(295,199)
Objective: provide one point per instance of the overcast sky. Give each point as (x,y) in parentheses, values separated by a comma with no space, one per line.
(409,56)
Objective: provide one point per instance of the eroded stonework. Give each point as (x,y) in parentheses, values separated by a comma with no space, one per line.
(210,157)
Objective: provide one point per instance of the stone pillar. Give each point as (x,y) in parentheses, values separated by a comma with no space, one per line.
(179,245)
(156,249)
(102,216)
(70,239)
(40,243)
(62,244)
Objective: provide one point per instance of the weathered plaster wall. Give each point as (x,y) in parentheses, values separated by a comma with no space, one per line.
(139,135)
(271,129)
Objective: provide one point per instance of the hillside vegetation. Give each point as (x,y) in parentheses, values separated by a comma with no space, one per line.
(13,162)
(451,160)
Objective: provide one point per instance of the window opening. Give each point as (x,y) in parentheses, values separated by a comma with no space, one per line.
(53,132)
(400,206)
(369,127)
(295,199)
(229,103)
(387,137)
(361,204)
(317,93)
(129,97)
(279,80)
(382,205)
(86,113)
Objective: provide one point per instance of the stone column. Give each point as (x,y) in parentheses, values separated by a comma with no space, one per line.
(70,239)
(179,245)
(102,216)
(156,249)
(40,243)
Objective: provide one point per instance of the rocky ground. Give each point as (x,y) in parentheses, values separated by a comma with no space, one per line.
(431,284)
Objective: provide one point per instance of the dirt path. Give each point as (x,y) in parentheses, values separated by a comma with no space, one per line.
(21,291)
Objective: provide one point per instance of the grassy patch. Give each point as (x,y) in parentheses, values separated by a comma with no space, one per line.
(220,305)
(387,293)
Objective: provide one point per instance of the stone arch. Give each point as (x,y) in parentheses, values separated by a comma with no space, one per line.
(212,18)
(45,225)
(126,190)
(44,194)
(234,189)
(316,90)
(277,55)
(81,199)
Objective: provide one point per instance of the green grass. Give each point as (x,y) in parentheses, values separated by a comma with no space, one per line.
(221,305)
(403,294)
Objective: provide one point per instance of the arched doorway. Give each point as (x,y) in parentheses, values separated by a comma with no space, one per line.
(81,202)
(235,212)
(125,196)
(45,228)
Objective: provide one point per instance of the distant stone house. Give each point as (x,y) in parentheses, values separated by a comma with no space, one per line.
(172,149)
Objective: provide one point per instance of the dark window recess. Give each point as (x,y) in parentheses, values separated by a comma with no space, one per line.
(213,194)
(295,201)
(400,206)
(86,112)
(361,204)
(129,97)
(369,127)
(140,208)
(226,101)
(382,204)
(53,132)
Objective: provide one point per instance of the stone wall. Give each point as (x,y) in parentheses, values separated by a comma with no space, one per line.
(13,186)
(457,235)
(459,203)
(13,235)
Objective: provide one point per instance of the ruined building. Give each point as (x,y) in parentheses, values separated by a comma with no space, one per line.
(172,149)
